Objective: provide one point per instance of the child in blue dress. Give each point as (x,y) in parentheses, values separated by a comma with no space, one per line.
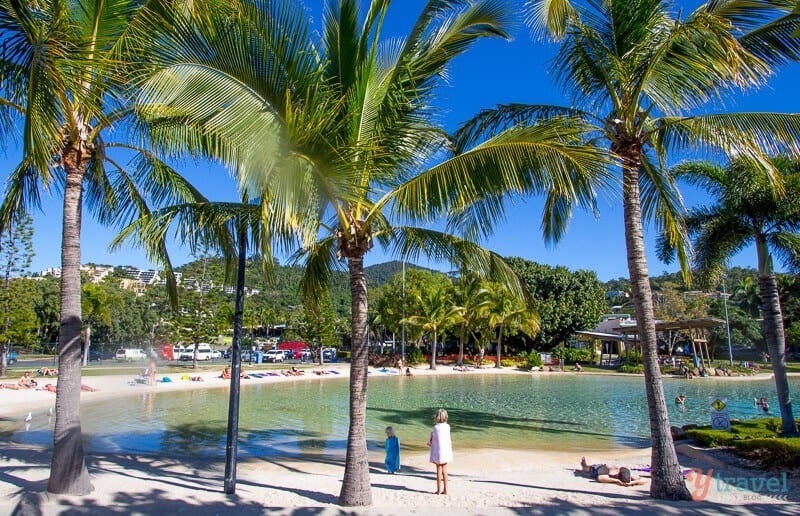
(392,451)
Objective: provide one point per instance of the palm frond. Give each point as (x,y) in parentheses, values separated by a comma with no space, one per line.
(549,17)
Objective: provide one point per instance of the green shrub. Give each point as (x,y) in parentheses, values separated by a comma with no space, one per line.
(572,355)
(765,428)
(534,359)
(776,453)
(631,369)
(343,355)
(415,356)
(632,357)
(509,362)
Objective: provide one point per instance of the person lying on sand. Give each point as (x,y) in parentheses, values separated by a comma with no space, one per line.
(47,371)
(610,474)
(52,388)
(12,386)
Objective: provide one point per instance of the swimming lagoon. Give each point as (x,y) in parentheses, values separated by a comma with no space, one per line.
(310,416)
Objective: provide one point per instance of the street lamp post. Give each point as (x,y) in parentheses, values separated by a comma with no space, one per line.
(403,330)
(727,322)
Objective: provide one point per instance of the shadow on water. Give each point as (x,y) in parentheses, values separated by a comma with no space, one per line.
(462,419)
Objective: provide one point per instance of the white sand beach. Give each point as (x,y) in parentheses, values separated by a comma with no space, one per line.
(481,481)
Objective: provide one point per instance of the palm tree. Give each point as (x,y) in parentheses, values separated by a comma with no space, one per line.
(336,132)
(508,313)
(438,313)
(57,61)
(748,210)
(471,298)
(745,294)
(636,71)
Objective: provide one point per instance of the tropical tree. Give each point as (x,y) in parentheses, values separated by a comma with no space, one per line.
(472,298)
(336,132)
(508,313)
(59,80)
(637,72)
(749,209)
(16,254)
(436,314)
(746,295)
(95,308)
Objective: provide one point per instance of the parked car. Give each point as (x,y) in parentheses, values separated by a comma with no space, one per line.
(274,355)
(329,354)
(302,354)
(12,357)
(204,352)
(130,354)
(216,353)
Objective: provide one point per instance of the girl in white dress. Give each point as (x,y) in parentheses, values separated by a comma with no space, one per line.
(441,449)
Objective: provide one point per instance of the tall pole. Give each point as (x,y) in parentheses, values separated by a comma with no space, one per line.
(231,446)
(727,322)
(403,331)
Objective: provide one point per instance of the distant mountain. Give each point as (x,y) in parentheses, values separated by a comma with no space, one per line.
(382,273)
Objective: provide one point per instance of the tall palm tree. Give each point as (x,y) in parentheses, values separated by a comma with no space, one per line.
(336,132)
(438,313)
(60,84)
(637,71)
(471,298)
(749,210)
(745,294)
(507,312)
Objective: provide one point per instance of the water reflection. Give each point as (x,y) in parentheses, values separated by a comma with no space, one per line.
(307,417)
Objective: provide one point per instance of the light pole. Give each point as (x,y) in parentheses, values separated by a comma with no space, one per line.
(727,322)
(403,329)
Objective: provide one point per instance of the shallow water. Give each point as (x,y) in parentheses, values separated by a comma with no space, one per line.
(557,412)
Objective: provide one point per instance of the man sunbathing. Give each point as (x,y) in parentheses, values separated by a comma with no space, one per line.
(46,371)
(611,475)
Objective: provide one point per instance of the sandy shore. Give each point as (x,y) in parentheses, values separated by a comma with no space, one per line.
(481,482)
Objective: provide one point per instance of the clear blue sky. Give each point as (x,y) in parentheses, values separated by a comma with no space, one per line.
(492,72)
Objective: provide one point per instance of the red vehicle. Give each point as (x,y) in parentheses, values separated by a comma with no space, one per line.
(165,352)
(295,349)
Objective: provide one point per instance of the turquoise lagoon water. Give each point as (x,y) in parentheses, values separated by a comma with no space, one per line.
(557,412)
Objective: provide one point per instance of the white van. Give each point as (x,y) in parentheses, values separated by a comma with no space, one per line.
(204,352)
(129,354)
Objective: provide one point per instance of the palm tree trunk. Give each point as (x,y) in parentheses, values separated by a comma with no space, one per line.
(461,339)
(667,479)
(68,473)
(434,345)
(772,326)
(499,346)
(356,490)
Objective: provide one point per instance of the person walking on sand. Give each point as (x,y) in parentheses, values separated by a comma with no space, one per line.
(392,460)
(441,449)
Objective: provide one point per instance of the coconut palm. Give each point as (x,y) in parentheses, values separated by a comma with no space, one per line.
(337,131)
(509,313)
(60,84)
(437,314)
(471,299)
(749,210)
(637,71)
(745,294)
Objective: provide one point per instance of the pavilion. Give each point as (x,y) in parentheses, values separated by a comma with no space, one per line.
(696,329)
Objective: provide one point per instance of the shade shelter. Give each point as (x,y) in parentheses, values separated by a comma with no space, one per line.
(696,329)
(608,341)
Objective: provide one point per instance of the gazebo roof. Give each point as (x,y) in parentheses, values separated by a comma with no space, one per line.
(590,335)
(683,324)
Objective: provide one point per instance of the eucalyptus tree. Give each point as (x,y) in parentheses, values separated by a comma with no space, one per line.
(95,309)
(336,131)
(637,72)
(509,313)
(16,254)
(437,313)
(61,84)
(749,210)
